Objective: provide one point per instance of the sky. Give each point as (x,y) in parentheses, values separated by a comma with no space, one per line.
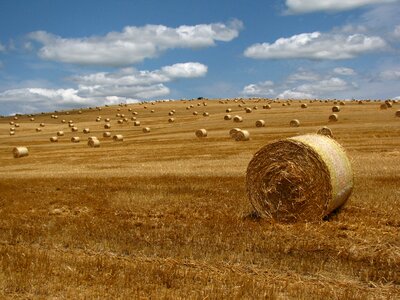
(57,54)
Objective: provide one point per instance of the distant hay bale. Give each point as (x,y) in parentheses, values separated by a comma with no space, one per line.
(146,129)
(205,114)
(237,119)
(383,106)
(41,125)
(325,131)
(136,123)
(242,135)
(63,121)
(342,103)
(303,105)
(195,113)
(20,152)
(86,130)
(106,134)
(397,114)
(133,119)
(118,138)
(303,178)
(12,129)
(107,126)
(200,133)
(227,117)
(74,129)
(233,132)
(134,113)
(15,118)
(32,119)
(294,123)
(335,108)
(12,132)
(171,113)
(152,111)
(54,139)
(120,121)
(171,120)
(80,112)
(248,110)
(38,129)
(98,119)
(388,104)
(94,143)
(267,106)
(333,118)
(16,125)
(260,123)
(228,110)
(71,125)
(75,139)
(60,133)
(107,120)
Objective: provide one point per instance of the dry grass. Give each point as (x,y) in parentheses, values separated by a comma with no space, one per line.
(165,215)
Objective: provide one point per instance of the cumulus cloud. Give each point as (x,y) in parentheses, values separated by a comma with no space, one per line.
(344,71)
(290,94)
(124,85)
(333,84)
(259,89)
(308,6)
(317,46)
(390,75)
(396,32)
(303,76)
(133,44)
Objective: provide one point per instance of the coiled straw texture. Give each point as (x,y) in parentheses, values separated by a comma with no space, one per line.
(303,178)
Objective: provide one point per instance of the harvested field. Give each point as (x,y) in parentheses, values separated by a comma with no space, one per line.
(166,215)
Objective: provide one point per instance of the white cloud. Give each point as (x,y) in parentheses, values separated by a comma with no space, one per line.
(259,89)
(344,71)
(133,44)
(317,46)
(307,6)
(125,85)
(332,84)
(2,48)
(396,32)
(290,94)
(390,75)
(303,76)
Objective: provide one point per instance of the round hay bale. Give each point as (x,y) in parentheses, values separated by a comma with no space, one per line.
(171,120)
(107,126)
(20,152)
(118,138)
(397,114)
(152,111)
(98,119)
(15,118)
(333,118)
(342,103)
(74,129)
(63,121)
(12,129)
(146,129)
(12,132)
(60,133)
(107,120)
(200,133)
(80,112)
(32,119)
(388,104)
(227,117)
(136,123)
(86,130)
(228,110)
(75,139)
(38,129)
(242,135)
(16,125)
(260,123)
(94,143)
(71,125)
(120,121)
(134,113)
(303,178)
(171,113)
(303,105)
(325,131)
(233,132)
(106,134)
(237,119)
(205,114)
(54,139)
(248,110)
(335,108)
(267,106)
(195,113)
(294,123)
(41,125)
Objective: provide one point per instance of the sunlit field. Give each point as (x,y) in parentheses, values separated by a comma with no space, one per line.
(165,214)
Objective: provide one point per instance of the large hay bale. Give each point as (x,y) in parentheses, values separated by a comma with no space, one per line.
(242,135)
(60,133)
(333,118)
(260,123)
(75,139)
(397,114)
(54,139)
(86,130)
(171,120)
(94,142)
(233,132)
(302,178)
(303,105)
(106,134)
(20,152)
(383,106)
(146,129)
(325,131)
(118,138)
(136,123)
(107,126)
(335,108)
(200,133)
(227,117)
(237,119)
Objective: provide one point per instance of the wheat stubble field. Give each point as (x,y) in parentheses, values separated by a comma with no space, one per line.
(165,214)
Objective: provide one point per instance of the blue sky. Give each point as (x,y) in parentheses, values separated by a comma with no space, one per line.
(62,54)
